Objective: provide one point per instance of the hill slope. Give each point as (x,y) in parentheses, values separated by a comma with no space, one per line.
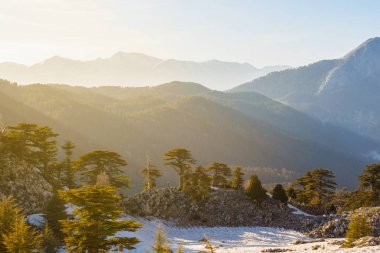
(245,129)
(343,92)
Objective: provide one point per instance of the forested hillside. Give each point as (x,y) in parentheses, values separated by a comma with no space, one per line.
(241,129)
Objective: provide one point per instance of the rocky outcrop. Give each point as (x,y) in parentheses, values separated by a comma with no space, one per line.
(29,190)
(223,208)
(337,227)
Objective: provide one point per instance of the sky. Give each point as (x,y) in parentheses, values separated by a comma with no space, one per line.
(266,32)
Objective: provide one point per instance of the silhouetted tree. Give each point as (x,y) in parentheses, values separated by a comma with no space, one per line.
(181,160)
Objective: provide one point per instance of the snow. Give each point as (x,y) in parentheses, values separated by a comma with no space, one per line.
(37,219)
(231,239)
(298,211)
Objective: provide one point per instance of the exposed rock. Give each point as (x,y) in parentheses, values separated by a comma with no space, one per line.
(331,229)
(338,226)
(29,190)
(223,208)
(365,242)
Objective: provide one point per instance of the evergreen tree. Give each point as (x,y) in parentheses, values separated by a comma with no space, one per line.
(197,184)
(318,186)
(279,193)
(50,243)
(21,238)
(55,211)
(181,160)
(96,220)
(237,180)
(161,245)
(291,193)
(33,144)
(220,172)
(370,180)
(97,162)
(8,214)
(150,173)
(69,179)
(358,228)
(255,190)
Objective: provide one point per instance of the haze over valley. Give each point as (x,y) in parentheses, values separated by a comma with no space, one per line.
(163,126)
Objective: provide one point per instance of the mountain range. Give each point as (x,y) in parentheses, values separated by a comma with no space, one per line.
(245,129)
(325,114)
(134,69)
(344,92)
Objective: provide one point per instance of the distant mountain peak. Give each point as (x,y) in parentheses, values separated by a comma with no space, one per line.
(370,44)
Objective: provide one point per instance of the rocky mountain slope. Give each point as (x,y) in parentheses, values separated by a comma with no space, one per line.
(343,91)
(228,208)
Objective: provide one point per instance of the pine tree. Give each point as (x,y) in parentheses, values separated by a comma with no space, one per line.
(370,180)
(32,144)
(21,238)
(161,245)
(181,160)
(197,184)
(317,187)
(96,220)
(8,214)
(69,179)
(150,173)
(279,193)
(97,162)
(358,228)
(50,243)
(255,190)
(220,172)
(55,211)
(237,180)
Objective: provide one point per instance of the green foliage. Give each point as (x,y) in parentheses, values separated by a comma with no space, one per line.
(161,244)
(54,212)
(69,170)
(33,144)
(279,193)
(237,179)
(8,214)
(317,187)
(220,172)
(181,160)
(357,199)
(370,180)
(255,190)
(50,243)
(197,184)
(358,228)
(96,220)
(150,173)
(97,162)
(21,238)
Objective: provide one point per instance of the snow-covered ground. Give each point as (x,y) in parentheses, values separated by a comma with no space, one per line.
(226,239)
(232,239)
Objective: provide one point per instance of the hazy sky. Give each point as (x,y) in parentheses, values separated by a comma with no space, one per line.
(266,32)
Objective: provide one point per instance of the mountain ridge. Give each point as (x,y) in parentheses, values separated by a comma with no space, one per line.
(134,69)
